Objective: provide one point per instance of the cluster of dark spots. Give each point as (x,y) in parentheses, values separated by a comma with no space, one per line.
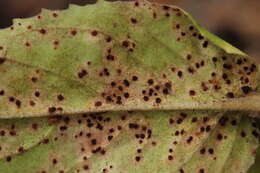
(227,66)
(2,60)
(110,57)
(42,31)
(82,73)
(94,33)
(133,20)
(104,72)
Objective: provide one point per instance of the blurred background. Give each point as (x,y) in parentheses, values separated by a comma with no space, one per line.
(236,21)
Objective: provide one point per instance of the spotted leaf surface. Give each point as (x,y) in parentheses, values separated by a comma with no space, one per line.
(124,87)
(159,141)
(116,56)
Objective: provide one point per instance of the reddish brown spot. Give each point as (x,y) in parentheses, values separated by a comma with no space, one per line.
(134,20)
(54,14)
(82,73)
(150,81)
(32,103)
(98,103)
(192,92)
(94,33)
(230,95)
(137,158)
(8,158)
(2,60)
(125,43)
(37,94)
(2,92)
(73,32)
(52,109)
(179,74)
(27,44)
(158,100)
(60,97)
(18,103)
(42,31)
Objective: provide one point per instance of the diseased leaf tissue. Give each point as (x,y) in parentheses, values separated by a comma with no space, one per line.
(121,87)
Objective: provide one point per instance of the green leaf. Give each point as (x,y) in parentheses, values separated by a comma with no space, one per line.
(160,141)
(124,87)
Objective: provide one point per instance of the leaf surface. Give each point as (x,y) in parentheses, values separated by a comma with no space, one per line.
(124,87)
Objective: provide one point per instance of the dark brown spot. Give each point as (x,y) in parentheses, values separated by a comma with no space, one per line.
(2,92)
(246,89)
(60,97)
(180,74)
(42,31)
(52,109)
(150,81)
(134,20)
(158,100)
(192,92)
(230,95)
(73,32)
(137,158)
(2,60)
(134,78)
(94,33)
(98,103)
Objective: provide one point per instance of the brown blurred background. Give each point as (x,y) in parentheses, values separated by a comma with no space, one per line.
(236,21)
